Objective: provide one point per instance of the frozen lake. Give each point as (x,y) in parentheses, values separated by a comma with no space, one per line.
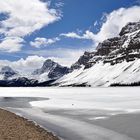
(79,113)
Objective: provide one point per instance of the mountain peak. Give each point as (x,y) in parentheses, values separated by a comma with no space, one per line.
(116,60)
(130,27)
(48,65)
(53,69)
(7,72)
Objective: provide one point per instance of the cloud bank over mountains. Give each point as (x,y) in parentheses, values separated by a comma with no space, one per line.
(24,66)
(21,18)
(65,57)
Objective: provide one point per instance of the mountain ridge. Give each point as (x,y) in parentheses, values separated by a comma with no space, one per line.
(115,61)
(100,67)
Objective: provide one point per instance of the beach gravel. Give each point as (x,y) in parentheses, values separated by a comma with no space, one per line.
(13,127)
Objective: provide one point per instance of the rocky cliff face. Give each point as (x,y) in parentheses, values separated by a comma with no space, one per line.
(129,28)
(125,47)
(83,61)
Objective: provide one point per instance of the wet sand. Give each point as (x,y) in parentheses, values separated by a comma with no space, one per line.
(13,127)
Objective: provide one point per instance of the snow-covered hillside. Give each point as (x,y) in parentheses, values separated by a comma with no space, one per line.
(103,75)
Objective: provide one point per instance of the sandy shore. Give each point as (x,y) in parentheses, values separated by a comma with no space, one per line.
(13,127)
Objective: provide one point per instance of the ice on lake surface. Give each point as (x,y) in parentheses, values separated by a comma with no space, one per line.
(79,113)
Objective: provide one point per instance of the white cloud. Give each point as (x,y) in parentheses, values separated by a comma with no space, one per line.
(24,65)
(25,17)
(71,35)
(111,26)
(87,35)
(63,56)
(43,42)
(29,64)
(115,21)
(11,44)
(4,63)
(67,57)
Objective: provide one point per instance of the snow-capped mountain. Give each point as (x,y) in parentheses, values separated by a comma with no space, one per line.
(48,73)
(116,60)
(50,70)
(7,72)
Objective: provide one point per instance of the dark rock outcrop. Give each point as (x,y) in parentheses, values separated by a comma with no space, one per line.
(83,61)
(130,27)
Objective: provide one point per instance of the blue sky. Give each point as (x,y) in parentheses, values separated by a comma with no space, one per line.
(70,28)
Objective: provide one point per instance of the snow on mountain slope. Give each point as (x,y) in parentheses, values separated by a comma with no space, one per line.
(104,74)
